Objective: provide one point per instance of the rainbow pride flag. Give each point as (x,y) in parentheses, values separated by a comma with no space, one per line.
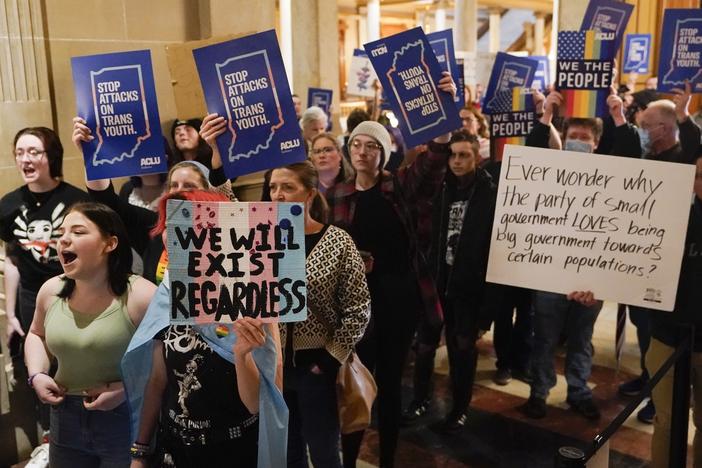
(511,120)
(584,72)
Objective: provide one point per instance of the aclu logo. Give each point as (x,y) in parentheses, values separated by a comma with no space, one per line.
(380,50)
(150,161)
(289,144)
(605,36)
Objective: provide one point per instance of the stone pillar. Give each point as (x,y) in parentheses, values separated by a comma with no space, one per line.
(539,35)
(465,25)
(286,38)
(25,93)
(440,17)
(495,19)
(372,20)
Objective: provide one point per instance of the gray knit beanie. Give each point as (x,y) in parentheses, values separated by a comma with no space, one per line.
(376,131)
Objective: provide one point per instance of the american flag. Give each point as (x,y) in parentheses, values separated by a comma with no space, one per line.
(571,45)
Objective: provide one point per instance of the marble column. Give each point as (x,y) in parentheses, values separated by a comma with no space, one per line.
(286,49)
(539,34)
(373,20)
(495,19)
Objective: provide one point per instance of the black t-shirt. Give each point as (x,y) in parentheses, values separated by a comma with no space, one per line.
(378,229)
(201,393)
(30,220)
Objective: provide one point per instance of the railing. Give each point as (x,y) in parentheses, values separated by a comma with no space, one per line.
(576,457)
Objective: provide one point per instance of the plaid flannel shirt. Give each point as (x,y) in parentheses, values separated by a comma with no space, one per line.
(417,183)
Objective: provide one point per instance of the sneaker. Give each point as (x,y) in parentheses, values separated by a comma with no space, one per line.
(586,408)
(454,423)
(633,387)
(414,411)
(39,457)
(647,413)
(534,408)
(502,377)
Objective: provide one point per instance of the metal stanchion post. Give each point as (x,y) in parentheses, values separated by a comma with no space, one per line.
(680,410)
(570,457)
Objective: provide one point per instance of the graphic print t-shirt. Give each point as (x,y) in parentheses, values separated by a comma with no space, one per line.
(201,393)
(457,211)
(30,221)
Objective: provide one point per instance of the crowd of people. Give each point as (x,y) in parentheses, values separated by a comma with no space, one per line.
(396,242)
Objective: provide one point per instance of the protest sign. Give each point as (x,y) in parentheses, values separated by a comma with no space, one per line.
(637,53)
(680,51)
(508,71)
(244,81)
(512,119)
(609,18)
(584,73)
(442,44)
(228,260)
(542,76)
(115,94)
(361,75)
(461,83)
(410,74)
(321,98)
(569,221)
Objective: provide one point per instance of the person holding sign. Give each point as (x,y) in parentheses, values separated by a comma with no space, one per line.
(576,312)
(376,211)
(86,318)
(339,305)
(462,214)
(206,409)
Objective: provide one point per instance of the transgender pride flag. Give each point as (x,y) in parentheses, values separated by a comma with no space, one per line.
(585,65)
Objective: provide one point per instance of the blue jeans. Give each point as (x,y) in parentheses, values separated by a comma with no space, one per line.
(314,418)
(553,313)
(80,438)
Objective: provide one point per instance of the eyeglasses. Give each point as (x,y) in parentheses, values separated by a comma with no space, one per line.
(325,150)
(33,154)
(369,146)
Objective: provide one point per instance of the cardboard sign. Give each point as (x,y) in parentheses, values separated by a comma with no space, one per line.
(244,81)
(442,44)
(542,76)
(512,119)
(584,73)
(681,50)
(637,53)
(228,260)
(361,75)
(115,94)
(410,74)
(569,221)
(508,72)
(609,18)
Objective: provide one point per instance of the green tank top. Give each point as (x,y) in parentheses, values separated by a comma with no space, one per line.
(89,348)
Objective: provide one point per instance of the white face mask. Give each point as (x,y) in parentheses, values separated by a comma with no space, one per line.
(645,139)
(578,146)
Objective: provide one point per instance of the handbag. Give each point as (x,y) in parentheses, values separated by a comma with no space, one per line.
(356,391)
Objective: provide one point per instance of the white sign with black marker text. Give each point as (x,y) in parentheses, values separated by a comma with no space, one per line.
(569,221)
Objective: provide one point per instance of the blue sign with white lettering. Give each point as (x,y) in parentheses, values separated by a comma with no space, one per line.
(509,71)
(442,43)
(637,53)
(116,96)
(681,51)
(244,81)
(609,18)
(542,77)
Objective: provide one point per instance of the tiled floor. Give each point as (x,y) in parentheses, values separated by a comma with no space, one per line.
(500,436)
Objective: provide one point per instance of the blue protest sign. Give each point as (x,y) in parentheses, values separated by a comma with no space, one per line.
(442,44)
(115,94)
(680,53)
(542,76)
(509,71)
(637,53)
(410,74)
(321,98)
(244,80)
(609,18)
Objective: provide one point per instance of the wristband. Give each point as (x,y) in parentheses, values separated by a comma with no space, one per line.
(138,450)
(30,380)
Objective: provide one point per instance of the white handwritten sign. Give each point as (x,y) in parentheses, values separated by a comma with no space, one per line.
(568,221)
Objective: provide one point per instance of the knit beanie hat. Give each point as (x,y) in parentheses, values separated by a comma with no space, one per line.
(195,123)
(377,131)
(198,166)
